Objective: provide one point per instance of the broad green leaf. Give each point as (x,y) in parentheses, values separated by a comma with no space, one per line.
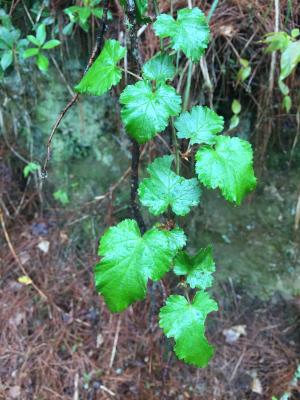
(228,166)
(185,322)
(198,268)
(51,44)
(42,62)
(236,106)
(31,52)
(6,59)
(130,259)
(29,168)
(189,33)
(159,68)
(34,40)
(200,125)
(41,34)
(234,121)
(166,189)
(145,111)
(289,59)
(104,73)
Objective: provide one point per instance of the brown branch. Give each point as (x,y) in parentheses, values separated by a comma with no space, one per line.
(97,49)
(135,61)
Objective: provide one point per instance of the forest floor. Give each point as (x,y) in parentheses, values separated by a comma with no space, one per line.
(59,341)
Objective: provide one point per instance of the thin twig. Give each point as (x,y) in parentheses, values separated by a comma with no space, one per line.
(95,53)
(135,61)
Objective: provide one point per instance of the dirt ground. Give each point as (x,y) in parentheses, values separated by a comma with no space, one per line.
(58,340)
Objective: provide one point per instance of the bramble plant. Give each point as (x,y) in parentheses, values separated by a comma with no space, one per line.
(132,255)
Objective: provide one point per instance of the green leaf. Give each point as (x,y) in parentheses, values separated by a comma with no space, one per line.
(243,74)
(29,168)
(189,33)
(104,72)
(185,322)
(145,111)
(41,34)
(287,103)
(276,41)
(42,62)
(97,12)
(51,44)
(6,59)
(68,29)
(159,68)
(34,40)
(236,106)
(165,188)
(198,268)
(228,166)
(234,121)
(8,37)
(289,59)
(200,125)
(142,7)
(31,52)
(61,196)
(130,259)
(295,33)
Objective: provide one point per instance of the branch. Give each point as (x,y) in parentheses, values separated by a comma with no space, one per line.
(135,62)
(96,51)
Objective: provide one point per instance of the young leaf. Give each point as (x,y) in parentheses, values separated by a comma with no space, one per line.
(189,33)
(61,196)
(104,73)
(130,259)
(6,59)
(236,106)
(51,44)
(145,112)
(42,62)
(200,125)
(34,40)
(228,166)
(29,168)
(30,52)
(159,68)
(185,322)
(165,188)
(41,34)
(234,121)
(198,269)
(289,59)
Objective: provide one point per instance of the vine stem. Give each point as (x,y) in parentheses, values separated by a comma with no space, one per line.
(135,60)
(97,48)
